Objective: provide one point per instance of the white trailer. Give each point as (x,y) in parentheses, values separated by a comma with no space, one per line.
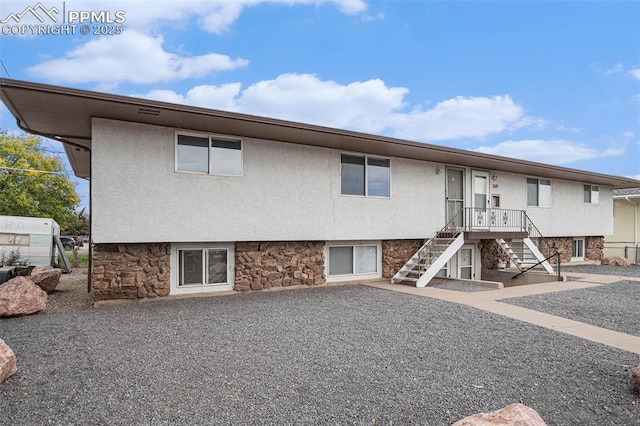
(34,237)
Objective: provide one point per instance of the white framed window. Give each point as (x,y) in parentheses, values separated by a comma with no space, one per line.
(215,155)
(577,249)
(198,268)
(538,192)
(591,194)
(365,176)
(353,260)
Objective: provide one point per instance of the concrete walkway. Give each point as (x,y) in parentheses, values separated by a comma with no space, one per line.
(490,301)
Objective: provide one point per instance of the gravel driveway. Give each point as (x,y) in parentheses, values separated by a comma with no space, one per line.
(327,355)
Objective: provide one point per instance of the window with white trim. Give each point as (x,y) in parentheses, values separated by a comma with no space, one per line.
(214,155)
(577,249)
(591,194)
(365,176)
(202,267)
(353,260)
(538,192)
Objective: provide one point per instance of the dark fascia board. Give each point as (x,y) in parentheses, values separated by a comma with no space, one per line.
(65,114)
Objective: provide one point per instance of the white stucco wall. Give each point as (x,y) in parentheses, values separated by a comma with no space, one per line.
(568,215)
(289,192)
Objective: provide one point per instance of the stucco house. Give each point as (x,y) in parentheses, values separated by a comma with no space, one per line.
(624,242)
(190,200)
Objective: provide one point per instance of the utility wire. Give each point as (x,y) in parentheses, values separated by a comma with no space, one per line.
(31,170)
(5,68)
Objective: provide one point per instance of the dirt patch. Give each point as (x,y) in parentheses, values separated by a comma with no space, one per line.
(70,294)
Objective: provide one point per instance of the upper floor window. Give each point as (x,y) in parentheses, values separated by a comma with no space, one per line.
(209,154)
(366,176)
(538,192)
(591,194)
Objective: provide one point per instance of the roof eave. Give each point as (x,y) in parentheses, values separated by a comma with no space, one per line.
(78,107)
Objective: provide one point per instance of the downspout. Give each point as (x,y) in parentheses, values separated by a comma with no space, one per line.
(635,221)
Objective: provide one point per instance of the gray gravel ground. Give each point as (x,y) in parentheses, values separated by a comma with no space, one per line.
(621,271)
(328,355)
(612,306)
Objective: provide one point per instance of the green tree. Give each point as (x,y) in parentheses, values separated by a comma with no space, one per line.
(79,225)
(33,183)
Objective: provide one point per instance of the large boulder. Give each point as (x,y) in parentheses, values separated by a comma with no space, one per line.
(8,364)
(635,379)
(514,414)
(615,261)
(20,296)
(46,277)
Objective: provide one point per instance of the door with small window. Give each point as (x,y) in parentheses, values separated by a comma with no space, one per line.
(465,263)
(455,195)
(480,200)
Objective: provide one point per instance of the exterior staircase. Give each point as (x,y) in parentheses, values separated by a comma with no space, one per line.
(430,258)
(524,254)
(439,249)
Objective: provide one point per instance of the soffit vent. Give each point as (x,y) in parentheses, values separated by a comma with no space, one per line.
(148,111)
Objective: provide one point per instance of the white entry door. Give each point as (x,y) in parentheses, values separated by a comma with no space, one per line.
(455,195)
(465,263)
(480,200)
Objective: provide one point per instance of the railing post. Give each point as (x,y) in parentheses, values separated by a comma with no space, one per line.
(558,265)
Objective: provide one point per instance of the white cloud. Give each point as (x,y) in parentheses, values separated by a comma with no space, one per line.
(557,151)
(217,97)
(636,177)
(130,57)
(461,117)
(368,106)
(618,68)
(568,129)
(628,134)
(635,73)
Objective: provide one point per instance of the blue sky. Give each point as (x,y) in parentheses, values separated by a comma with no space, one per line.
(550,81)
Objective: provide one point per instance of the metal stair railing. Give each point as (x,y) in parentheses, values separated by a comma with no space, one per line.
(534,234)
(427,253)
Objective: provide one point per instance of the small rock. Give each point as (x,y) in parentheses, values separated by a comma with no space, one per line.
(635,379)
(8,364)
(514,414)
(47,279)
(20,296)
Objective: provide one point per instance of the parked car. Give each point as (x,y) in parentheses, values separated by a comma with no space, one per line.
(68,242)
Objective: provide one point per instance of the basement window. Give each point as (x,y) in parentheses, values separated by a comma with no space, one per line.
(213,155)
(349,261)
(577,249)
(198,268)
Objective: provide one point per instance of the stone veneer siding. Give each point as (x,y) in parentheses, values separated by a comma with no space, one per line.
(491,252)
(130,271)
(262,265)
(594,248)
(395,253)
